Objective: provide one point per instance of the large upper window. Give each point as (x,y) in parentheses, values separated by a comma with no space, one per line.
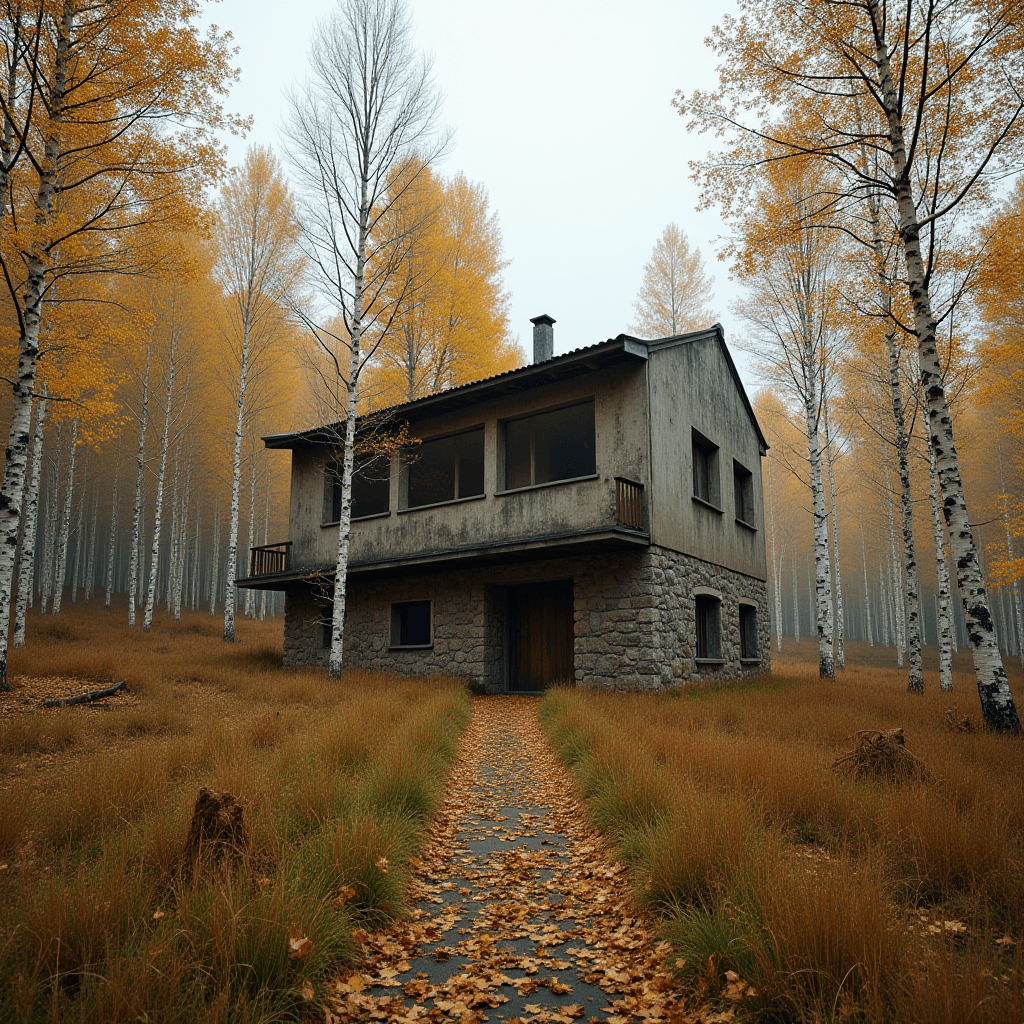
(371,489)
(551,446)
(446,469)
(743,490)
(705,469)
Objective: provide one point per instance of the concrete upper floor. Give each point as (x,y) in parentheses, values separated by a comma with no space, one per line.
(623,443)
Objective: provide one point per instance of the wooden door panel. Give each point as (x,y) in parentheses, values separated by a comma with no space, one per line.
(540,634)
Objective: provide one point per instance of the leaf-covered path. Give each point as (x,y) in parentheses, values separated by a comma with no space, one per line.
(519,914)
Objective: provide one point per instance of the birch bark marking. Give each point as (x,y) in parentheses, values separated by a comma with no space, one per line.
(28,538)
(236,482)
(837,578)
(867,594)
(112,544)
(823,599)
(12,489)
(165,440)
(135,565)
(942,603)
(997,704)
(60,564)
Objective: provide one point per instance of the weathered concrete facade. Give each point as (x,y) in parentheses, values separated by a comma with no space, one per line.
(659,529)
(634,621)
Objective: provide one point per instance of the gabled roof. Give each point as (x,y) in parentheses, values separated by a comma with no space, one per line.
(614,351)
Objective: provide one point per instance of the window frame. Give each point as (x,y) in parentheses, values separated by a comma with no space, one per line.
(743,477)
(708,452)
(705,652)
(408,460)
(332,482)
(748,615)
(395,626)
(534,485)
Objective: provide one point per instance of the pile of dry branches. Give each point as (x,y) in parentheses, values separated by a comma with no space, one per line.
(883,757)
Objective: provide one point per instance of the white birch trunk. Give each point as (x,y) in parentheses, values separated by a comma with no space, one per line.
(776,562)
(796,606)
(61,561)
(174,538)
(194,584)
(28,539)
(215,564)
(165,441)
(179,582)
(50,543)
(997,704)
(80,532)
(112,543)
(135,566)
(90,569)
(942,601)
(40,260)
(230,598)
(836,576)
(867,594)
(252,530)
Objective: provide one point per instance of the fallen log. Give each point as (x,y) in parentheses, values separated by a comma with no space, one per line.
(84,698)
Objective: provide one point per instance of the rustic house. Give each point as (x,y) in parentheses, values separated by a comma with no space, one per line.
(592,517)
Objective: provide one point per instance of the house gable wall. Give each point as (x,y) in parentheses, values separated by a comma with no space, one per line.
(691,388)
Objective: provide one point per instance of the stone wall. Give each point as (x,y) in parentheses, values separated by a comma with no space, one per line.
(634,615)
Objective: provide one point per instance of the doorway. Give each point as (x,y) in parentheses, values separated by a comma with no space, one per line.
(540,633)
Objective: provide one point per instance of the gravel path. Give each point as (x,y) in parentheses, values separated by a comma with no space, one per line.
(518,914)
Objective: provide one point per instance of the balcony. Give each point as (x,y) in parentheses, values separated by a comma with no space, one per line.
(629,503)
(270,559)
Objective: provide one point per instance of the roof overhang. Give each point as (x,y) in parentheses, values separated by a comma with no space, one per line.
(614,352)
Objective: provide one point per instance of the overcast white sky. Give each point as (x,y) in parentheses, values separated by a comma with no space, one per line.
(563,110)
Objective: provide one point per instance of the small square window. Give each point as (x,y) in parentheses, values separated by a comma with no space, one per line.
(743,490)
(410,624)
(708,627)
(748,632)
(705,469)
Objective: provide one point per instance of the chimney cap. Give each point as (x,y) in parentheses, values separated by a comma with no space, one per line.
(543,319)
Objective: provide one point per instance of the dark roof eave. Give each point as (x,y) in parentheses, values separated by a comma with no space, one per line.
(593,357)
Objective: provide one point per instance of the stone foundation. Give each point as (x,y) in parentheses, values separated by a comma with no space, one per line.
(634,612)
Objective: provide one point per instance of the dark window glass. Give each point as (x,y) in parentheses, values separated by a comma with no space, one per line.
(705,469)
(410,624)
(743,486)
(748,631)
(708,644)
(371,489)
(555,445)
(446,469)
(325,638)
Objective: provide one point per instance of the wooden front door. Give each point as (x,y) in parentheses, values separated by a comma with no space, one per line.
(540,635)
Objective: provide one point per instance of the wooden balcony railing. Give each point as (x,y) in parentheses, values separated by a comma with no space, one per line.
(270,558)
(629,497)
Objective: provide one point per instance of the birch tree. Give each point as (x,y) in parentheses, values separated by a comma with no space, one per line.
(363,121)
(135,566)
(28,538)
(258,266)
(936,92)
(793,323)
(116,117)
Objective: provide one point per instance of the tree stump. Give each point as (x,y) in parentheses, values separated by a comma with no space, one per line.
(217,834)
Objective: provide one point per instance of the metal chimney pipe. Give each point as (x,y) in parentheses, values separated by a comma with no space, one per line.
(543,338)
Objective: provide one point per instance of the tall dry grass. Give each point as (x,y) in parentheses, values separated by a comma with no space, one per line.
(820,892)
(98,921)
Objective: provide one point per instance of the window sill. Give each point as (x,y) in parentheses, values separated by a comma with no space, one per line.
(442,504)
(749,526)
(548,483)
(710,661)
(357,519)
(409,647)
(750,661)
(707,504)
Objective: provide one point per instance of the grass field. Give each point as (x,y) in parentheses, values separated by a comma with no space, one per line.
(99,917)
(830,899)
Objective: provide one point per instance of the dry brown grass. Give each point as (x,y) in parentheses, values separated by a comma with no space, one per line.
(823,890)
(97,920)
